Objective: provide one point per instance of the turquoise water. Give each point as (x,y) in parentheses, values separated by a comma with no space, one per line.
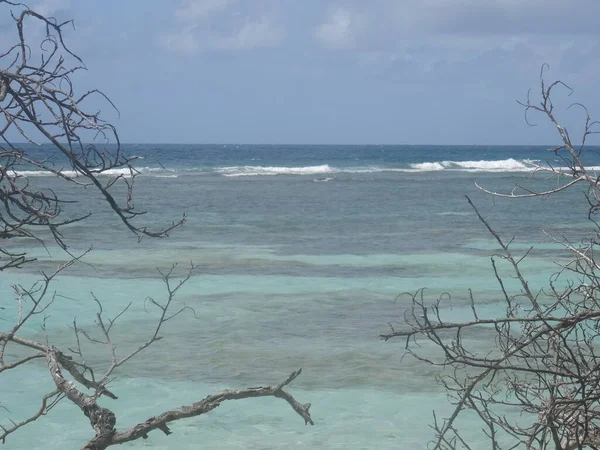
(301,253)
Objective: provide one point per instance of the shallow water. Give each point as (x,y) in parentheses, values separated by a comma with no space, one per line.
(299,265)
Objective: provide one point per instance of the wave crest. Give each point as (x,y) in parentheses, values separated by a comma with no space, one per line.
(124,171)
(238,171)
(504,165)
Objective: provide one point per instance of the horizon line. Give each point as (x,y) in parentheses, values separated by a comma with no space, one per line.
(309,144)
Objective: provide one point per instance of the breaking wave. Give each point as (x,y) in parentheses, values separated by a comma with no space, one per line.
(505,165)
(153,171)
(239,171)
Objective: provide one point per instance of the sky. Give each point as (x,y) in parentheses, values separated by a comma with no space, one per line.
(332,72)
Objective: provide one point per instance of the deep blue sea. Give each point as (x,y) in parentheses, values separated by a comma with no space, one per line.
(301,253)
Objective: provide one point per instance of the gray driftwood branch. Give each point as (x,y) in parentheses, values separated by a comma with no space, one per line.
(84,390)
(103,420)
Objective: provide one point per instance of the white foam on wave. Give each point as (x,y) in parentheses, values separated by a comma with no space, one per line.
(429,166)
(504,165)
(110,172)
(239,171)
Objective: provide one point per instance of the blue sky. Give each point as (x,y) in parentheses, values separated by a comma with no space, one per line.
(320,71)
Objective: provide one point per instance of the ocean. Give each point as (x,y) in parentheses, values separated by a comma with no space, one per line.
(301,252)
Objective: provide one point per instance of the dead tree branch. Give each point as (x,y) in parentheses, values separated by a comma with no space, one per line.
(538,386)
(103,420)
(39,103)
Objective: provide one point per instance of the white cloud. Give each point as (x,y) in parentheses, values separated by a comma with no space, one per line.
(491,17)
(445,36)
(252,35)
(50,7)
(183,41)
(338,31)
(194,10)
(221,25)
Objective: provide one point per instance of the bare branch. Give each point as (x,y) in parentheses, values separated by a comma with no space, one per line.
(203,406)
(543,369)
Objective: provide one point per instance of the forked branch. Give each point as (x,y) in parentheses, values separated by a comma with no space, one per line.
(537,387)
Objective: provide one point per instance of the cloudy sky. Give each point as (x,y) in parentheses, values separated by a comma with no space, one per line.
(321,71)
